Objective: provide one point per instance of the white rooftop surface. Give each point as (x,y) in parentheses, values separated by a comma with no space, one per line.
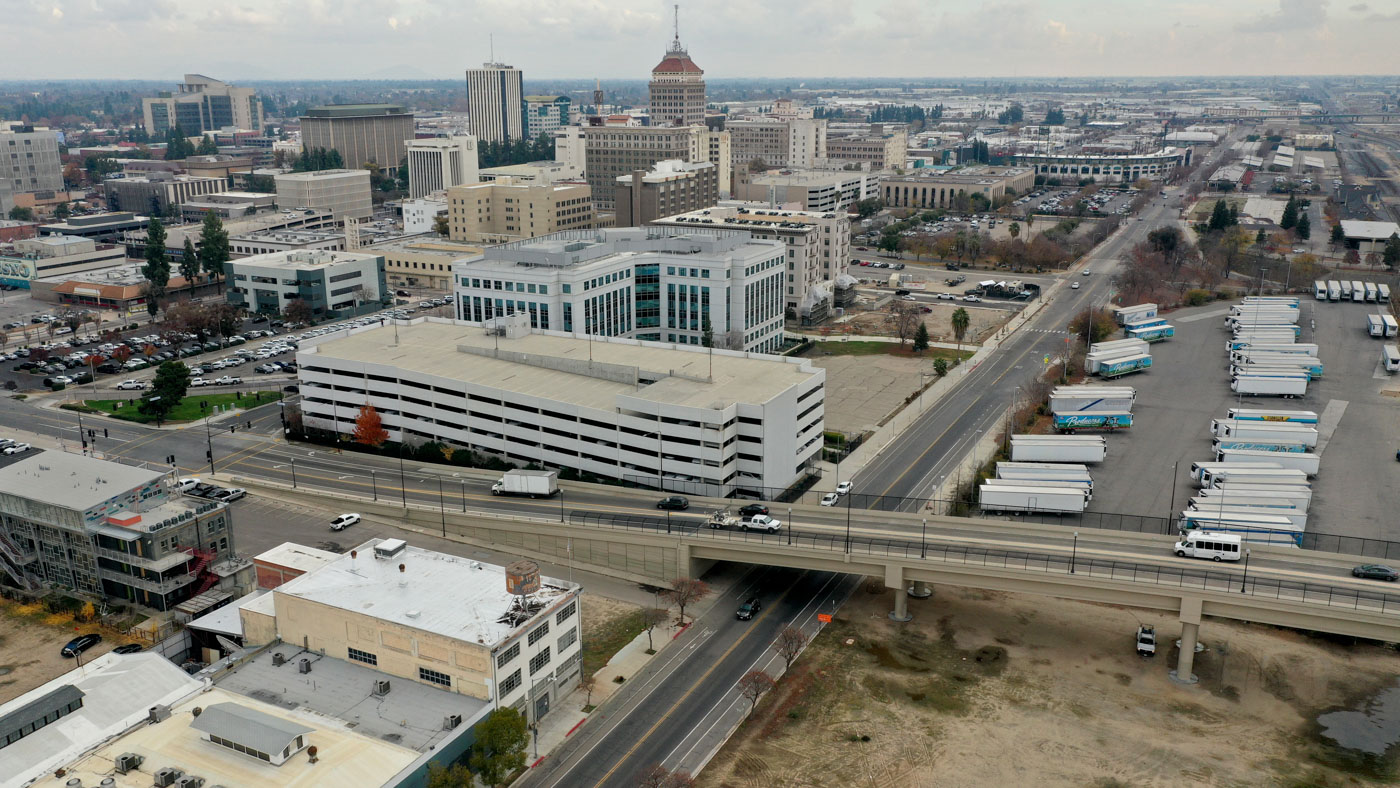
(1264,208)
(302,260)
(429,347)
(443,594)
(1371,230)
(336,693)
(346,758)
(118,690)
(296,556)
(71,481)
(225,620)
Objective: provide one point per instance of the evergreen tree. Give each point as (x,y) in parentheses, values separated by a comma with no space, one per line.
(206,146)
(189,263)
(1290,214)
(157,267)
(1219,217)
(921,338)
(1304,226)
(1338,236)
(213,247)
(1391,256)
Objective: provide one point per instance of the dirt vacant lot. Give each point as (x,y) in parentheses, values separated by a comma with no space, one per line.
(29,654)
(990,689)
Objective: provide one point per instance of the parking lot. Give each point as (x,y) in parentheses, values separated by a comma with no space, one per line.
(1188,385)
(1107,201)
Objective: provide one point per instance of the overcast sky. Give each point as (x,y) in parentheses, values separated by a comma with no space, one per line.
(328,39)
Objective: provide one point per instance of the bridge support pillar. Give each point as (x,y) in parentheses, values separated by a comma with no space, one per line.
(920,590)
(901,606)
(1190,629)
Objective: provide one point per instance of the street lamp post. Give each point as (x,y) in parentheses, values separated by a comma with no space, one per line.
(1074,552)
(789,528)
(442,507)
(1262,273)
(1244,580)
(374,485)
(923,539)
(1172,511)
(294,472)
(403,483)
(848,521)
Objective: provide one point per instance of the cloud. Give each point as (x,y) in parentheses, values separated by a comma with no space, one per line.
(57,12)
(1359,8)
(1291,15)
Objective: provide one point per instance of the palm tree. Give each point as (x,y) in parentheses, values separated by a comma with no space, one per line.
(960,323)
(1014,230)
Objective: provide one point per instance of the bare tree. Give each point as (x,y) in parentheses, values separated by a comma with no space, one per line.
(753,685)
(686,591)
(588,682)
(789,644)
(658,776)
(906,319)
(650,618)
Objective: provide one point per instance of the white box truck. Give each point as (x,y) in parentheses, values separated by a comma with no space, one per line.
(996,499)
(1136,345)
(1375,326)
(1081,486)
(1258,414)
(1298,494)
(1334,290)
(1264,430)
(1061,448)
(1370,291)
(1214,477)
(1297,518)
(1077,399)
(1254,528)
(1345,286)
(1392,327)
(1306,462)
(1259,386)
(1231,500)
(536,484)
(1358,292)
(1199,468)
(1124,314)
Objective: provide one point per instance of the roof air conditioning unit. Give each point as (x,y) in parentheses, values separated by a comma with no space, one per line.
(157,713)
(381,687)
(128,762)
(451,721)
(278,659)
(166,777)
(304,665)
(189,781)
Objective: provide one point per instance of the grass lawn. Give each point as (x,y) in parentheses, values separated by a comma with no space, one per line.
(188,410)
(605,637)
(866,348)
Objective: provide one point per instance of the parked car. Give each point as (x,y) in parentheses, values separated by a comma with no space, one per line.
(197,382)
(230,495)
(17,448)
(971,299)
(749,609)
(80,644)
(344,521)
(130,385)
(752,509)
(1375,572)
(186,484)
(227,380)
(129,648)
(1146,641)
(830,499)
(677,503)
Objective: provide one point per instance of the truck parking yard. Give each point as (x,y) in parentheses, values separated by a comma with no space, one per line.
(1189,385)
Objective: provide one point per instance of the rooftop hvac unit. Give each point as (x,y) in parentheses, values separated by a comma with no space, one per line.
(304,665)
(108,782)
(157,713)
(128,762)
(451,721)
(189,781)
(381,687)
(166,777)
(278,659)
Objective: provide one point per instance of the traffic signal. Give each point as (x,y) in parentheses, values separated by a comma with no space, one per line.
(170,459)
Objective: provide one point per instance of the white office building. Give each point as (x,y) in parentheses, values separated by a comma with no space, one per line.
(663,285)
(340,283)
(440,163)
(691,419)
(818,244)
(496,102)
(345,193)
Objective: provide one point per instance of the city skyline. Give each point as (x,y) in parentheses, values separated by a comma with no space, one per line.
(262,39)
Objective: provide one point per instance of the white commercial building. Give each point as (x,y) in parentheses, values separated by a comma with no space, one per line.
(809,190)
(340,282)
(440,163)
(420,216)
(664,285)
(496,102)
(818,244)
(1367,237)
(695,420)
(345,193)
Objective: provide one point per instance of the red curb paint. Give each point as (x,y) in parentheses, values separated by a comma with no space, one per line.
(537,763)
(576,727)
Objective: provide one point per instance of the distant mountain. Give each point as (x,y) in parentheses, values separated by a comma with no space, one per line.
(401,71)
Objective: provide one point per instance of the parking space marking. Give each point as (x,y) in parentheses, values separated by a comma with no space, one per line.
(1328,420)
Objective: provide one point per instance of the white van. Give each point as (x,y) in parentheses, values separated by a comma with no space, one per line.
(1206,544)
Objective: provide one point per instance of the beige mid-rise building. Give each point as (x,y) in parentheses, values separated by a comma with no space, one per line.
(882,148)
(503,211)
(777,142)
(818,244)
(927,189)
(363,133)
(201,104)
(346,193)
(614,151)
(671,187)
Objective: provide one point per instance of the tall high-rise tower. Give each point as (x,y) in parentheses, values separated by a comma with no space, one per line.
(495,103)
(677,87)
